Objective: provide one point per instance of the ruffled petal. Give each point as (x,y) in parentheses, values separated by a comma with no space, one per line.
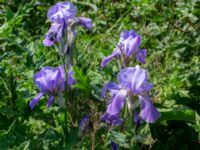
(50,80)
(117,103)
(148,112)
(135,79)
(35,100)
(61,11)
(107,59)
(85,22)
(141,56)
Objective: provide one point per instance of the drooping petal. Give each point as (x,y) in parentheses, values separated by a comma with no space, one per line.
(112,87)
(148,112)
(61,11)
(141,56)
(35,100)
(85,22)
(117,102)
(50,101)
(111,119)
(107,59)
(114,146)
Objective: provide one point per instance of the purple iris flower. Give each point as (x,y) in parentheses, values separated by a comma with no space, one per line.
(61,15)
(50,81)
(133,82)
(127,48)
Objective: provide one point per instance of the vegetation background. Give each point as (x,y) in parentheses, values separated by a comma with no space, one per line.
(170,31)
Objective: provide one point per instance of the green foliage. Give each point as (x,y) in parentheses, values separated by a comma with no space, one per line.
(169,31)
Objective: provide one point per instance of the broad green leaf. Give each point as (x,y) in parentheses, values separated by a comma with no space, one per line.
(180,112)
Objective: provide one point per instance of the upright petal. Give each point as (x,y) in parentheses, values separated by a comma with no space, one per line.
(125,34)
(107,59)
(50,101)
(112,87)
(141,56)
(61,11)
(135,79)
(117,103)
(148,112)
(85,22)
(131,45)
(35,100)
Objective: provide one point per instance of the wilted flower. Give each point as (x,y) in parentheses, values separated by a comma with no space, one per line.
(50,81)
(61,15)
(132,82)
(70,77)
(111,119)
(84,125)
(127,48)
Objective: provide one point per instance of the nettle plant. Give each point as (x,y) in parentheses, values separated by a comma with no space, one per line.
(128,98)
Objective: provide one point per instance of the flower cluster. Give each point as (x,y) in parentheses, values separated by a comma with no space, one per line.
(62,15)
(127,48)
(133,86)
(51,81)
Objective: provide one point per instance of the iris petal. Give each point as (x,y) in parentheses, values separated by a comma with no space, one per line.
(111,87)
(50,101)
(61,11)
(85,22)
(117,103)
(35,100)
(148,112)
(135,79)
(141,56)
(107,59)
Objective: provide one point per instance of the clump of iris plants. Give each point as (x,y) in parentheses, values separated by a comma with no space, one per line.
(131,92)
(61,34)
